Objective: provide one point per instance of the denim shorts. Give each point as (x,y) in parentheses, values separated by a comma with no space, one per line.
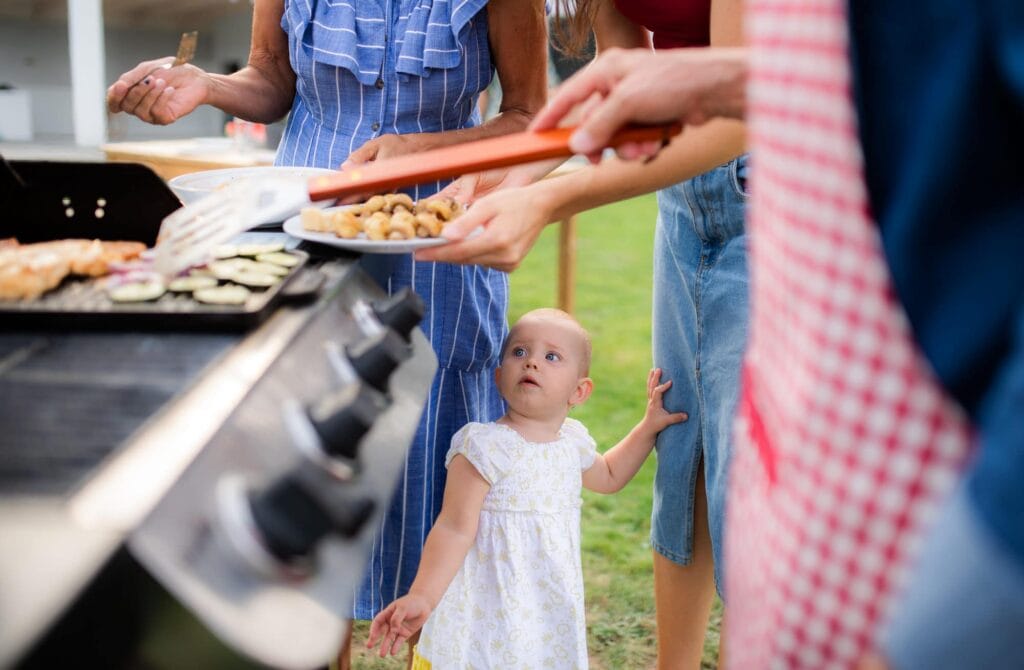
(699,333)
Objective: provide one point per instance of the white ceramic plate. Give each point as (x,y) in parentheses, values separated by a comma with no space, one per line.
(293,227)
(196,185)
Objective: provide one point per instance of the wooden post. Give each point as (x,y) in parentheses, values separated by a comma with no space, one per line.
(567,264)
(567,247)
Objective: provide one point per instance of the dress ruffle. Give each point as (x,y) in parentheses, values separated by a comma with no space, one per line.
(434,33)
(430,33)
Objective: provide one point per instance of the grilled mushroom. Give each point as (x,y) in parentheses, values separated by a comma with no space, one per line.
(442,207)
(404,224)
(312,220)
(344,223)
(393,200)
(377,226)
(429,222)
(374,204)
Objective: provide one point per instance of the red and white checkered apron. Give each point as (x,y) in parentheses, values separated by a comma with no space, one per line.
(845,441)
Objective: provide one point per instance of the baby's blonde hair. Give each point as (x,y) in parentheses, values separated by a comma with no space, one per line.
(550,313)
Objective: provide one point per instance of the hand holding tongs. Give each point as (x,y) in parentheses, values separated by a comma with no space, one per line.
(189,234)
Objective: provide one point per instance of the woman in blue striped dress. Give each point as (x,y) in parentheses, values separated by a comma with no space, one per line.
(367,79)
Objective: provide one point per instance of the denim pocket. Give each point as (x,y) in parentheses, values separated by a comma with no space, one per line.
(738,171)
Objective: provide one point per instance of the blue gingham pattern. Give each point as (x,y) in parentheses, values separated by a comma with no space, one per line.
(366,68)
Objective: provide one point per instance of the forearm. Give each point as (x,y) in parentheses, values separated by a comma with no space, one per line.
(617,466)
(510,121)
(443,554)
(725,74)
(252,94)
(696,151)
(613,30)
(518,36)
(263,90)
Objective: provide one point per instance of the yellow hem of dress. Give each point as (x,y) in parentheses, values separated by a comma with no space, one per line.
(418,662)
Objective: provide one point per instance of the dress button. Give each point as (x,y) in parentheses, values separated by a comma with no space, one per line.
(375,126)
(380,83)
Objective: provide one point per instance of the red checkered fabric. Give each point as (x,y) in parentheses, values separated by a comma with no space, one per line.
(844,440)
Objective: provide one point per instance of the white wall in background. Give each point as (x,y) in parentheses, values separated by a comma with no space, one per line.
(15,116)
(34,58)
(88,79)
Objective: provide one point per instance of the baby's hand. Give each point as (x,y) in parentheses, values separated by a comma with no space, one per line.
(397,622)
(657,417)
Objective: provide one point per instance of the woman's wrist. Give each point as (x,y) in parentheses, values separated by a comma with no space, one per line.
(728,99)
(248,94)
(556,197)
(503,124)
(512,120)
(215,90)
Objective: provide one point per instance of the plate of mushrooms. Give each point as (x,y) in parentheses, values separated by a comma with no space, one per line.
(384,224)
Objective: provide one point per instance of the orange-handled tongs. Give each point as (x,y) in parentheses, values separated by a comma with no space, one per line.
(188,235)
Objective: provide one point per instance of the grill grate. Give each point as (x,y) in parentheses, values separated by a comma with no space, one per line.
(69,400)
(84,303)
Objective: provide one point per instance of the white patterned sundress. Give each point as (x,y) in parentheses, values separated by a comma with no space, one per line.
(517,601)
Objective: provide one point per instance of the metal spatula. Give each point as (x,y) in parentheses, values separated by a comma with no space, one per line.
(189,234)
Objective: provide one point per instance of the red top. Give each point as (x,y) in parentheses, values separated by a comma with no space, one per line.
(675,23)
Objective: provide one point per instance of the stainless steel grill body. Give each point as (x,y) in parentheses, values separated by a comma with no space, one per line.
(161,441)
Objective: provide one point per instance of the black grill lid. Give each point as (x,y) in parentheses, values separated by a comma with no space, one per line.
(48,200)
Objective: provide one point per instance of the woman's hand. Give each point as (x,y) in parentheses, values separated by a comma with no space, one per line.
(397,623)
(688,85)
(657,418)
(261,92)
(158,93)
(471,187)
(510,222)
(388,146)
(468,188)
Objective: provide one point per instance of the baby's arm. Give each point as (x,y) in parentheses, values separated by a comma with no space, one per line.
(445,549)
(613,469)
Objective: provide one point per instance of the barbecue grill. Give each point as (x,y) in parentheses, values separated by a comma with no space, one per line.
(235,460)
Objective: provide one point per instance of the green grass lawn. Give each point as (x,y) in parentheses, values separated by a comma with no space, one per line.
(613,301)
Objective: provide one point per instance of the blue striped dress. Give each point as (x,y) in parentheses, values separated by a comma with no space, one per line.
(366,68)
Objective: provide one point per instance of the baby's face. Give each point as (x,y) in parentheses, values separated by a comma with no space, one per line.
(541,368)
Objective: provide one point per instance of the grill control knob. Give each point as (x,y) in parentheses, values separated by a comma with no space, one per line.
(402,311)
(291,519)
(351,517)
(344,417)
(376,357)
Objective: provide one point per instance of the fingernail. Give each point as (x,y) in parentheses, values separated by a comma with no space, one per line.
(581,142)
